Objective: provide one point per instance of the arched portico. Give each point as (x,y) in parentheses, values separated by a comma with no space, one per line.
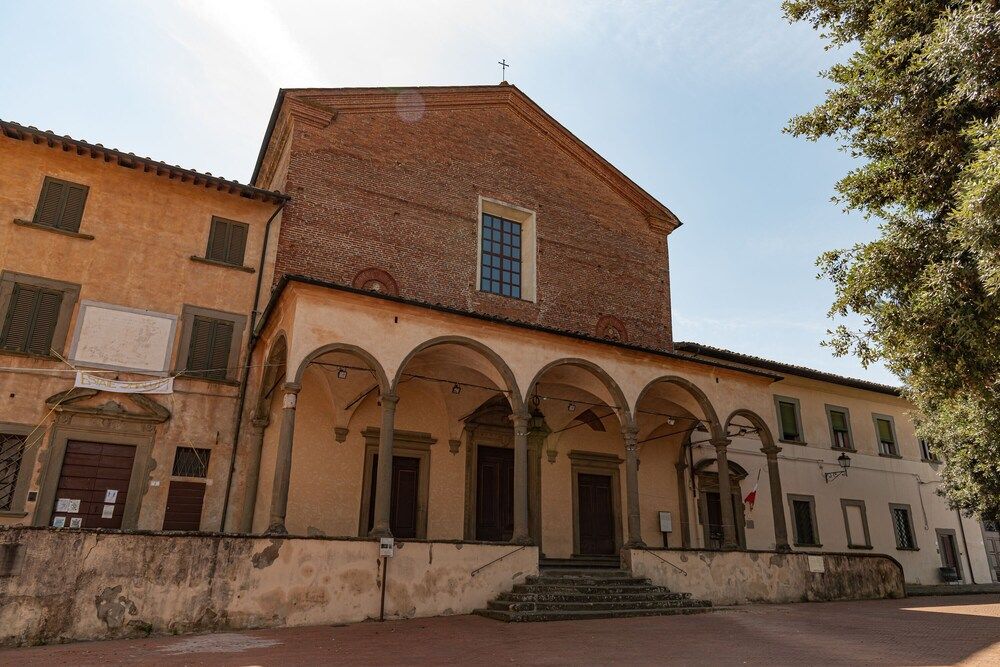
(677,399)
(342,359)
(742,419)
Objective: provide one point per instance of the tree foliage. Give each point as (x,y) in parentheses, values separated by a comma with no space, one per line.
(918,101)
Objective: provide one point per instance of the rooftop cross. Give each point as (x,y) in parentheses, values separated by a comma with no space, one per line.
(503,69)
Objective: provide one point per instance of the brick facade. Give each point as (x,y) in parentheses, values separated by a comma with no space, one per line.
(392,182)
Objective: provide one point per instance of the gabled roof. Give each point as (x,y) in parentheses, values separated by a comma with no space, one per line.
(132,161)
(699,350)
(323,104)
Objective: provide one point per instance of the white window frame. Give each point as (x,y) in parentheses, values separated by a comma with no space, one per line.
(529,243)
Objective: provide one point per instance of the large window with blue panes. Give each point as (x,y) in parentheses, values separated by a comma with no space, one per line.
(500,270)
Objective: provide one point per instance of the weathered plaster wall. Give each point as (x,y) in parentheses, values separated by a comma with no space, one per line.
(72,585)
(737,577)
(145,229)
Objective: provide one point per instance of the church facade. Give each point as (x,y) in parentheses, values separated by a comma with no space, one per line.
(435,315)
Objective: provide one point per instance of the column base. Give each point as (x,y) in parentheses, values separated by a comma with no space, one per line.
(634,544)
(380,532)
(522,540)
(783,549)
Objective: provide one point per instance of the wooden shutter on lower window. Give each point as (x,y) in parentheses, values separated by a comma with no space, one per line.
(211,341)
(31,319)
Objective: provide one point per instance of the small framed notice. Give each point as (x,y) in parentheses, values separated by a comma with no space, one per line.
(816,564)
(108,512)
(111,495)
(386,547)
(76,522)
(58,522)
(68,505)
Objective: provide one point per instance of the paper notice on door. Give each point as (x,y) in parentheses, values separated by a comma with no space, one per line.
(111,495)
(76,522)
(58,521)
(68,505)
(108,511)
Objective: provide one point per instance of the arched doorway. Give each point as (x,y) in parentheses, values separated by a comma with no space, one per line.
(710,498)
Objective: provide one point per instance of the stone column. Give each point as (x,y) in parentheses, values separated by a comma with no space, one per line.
(283,461)
(725,495)
(684,520)
(521,535)
(630,435)
(383,481)
(255,443)
(537,432)
(777,507)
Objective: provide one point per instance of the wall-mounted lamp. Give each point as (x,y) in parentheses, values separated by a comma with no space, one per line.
(670,422)
(342,373)
(455,389)
(845,462)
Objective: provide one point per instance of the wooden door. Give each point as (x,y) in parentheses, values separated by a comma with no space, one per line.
(597,522)
(403,500)
(494,494)
(714,532)
(184,504)
(89,471)
(949,551)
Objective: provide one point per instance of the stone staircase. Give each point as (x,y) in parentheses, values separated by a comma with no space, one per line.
(574,589)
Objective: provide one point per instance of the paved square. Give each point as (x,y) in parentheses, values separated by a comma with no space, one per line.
(915,631)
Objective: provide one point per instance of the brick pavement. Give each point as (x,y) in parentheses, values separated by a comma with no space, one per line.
(915,631)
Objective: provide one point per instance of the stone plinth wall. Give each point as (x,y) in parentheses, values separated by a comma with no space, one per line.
(61,585)
(741,577)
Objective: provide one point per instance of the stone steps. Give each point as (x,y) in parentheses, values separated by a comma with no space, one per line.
(569,592)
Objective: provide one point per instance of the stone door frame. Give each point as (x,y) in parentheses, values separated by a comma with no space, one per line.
(597,463)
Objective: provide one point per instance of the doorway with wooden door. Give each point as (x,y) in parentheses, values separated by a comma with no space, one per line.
(409,484)
(93,485)
(596,515)
(494,494)
(403,498)
(948,548)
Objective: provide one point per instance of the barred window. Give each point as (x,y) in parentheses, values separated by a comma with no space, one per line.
(11,454)
(501,256)
(902,525)
(191,462)
(804,521)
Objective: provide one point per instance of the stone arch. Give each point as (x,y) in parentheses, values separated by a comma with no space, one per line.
(376,280)
(763,432)
(715,428)
(346,348)
(275,368)
(621,407)
(735,469)
(513,393)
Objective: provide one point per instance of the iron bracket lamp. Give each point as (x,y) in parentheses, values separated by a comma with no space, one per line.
(845,462)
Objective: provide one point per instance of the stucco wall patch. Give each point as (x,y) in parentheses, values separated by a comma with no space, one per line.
(267,556)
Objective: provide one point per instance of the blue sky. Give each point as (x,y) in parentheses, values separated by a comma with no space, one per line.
(686,97)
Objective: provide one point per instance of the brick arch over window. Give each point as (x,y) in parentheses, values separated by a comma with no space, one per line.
(610,327)
(376,280)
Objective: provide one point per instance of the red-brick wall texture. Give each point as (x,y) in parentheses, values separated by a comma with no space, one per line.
(398,191)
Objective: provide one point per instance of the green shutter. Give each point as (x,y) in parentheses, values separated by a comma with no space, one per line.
(789,422)
(31,319)
(61,205)
(208,354)
(839,420)
(46,317)
(237,243)
(885,431)
(72,214)
(218,240)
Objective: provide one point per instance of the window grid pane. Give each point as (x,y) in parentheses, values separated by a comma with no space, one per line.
(804,530)
(901,525)
(11,452)
(501,259)
(191,462)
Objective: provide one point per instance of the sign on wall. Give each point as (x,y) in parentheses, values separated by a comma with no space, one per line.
(115,337)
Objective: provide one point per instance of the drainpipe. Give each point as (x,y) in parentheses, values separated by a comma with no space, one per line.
(251,339)
(968,557)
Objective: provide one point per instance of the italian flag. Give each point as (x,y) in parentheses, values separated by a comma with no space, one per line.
(752,496)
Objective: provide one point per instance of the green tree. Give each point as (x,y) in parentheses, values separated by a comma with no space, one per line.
(918,102)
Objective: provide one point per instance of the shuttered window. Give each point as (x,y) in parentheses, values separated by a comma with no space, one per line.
(31,319)
(61,205)
(208,354)
(789,420)
(839,430)
(886,436)
(227,242)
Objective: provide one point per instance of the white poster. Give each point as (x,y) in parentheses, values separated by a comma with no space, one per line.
(108,511)
(76,522)
(58,522)
(157,386)
(110,336)
(68,505)
(111,495)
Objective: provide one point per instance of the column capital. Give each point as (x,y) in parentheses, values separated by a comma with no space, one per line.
(260,423)
(388,398)
(771,451)
(291,387)
(720,443)
(630,434)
